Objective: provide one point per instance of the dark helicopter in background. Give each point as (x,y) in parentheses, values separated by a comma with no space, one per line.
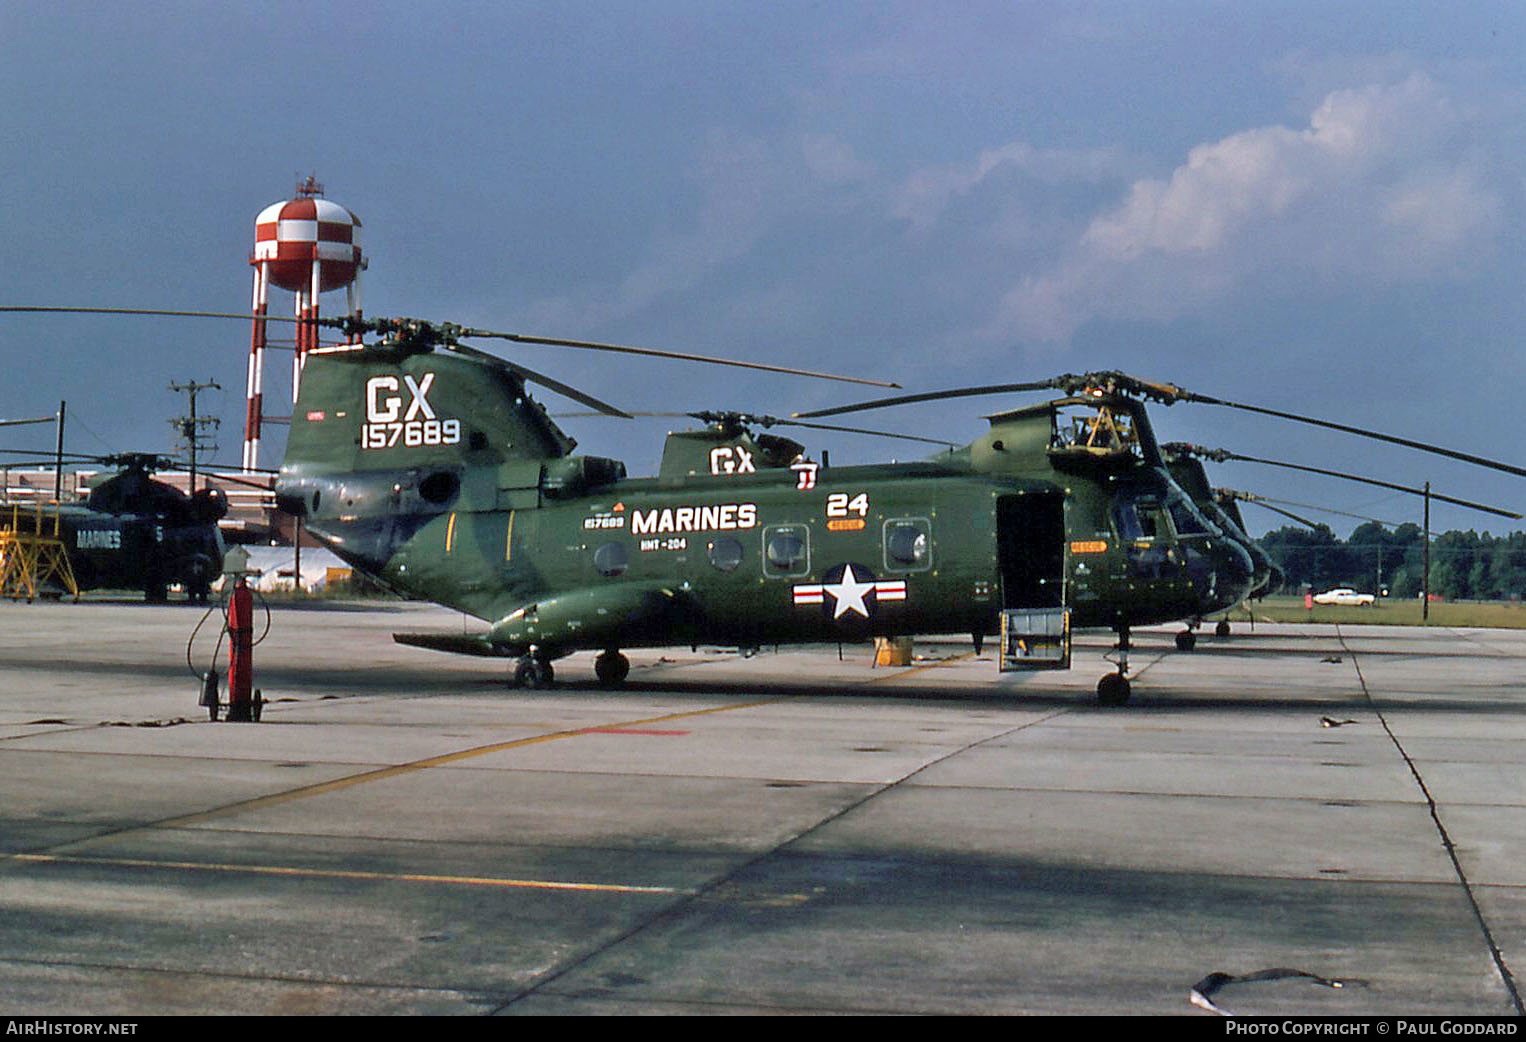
(132,532)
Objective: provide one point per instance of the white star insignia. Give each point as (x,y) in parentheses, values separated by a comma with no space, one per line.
(849,593)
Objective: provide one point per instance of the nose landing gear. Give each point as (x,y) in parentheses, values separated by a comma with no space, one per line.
(534,671)
(1113,689)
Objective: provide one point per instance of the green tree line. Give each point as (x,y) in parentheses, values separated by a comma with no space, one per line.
(1464,565)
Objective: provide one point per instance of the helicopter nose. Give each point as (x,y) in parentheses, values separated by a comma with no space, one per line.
(1236,573)
(1221,573)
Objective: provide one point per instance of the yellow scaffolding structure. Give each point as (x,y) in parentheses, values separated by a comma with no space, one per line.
(32,552)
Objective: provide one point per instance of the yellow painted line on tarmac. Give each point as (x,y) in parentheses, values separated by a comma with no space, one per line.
(444,760)
(353,874)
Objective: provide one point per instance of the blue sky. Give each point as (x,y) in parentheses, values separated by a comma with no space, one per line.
(1313,207)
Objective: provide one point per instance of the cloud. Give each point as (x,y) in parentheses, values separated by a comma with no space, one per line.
(1387,183)
(925,194)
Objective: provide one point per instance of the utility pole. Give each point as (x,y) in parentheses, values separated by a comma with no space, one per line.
(1425,589)
(189,428)
(58,471)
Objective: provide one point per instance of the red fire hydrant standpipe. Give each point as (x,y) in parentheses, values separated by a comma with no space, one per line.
(244,705)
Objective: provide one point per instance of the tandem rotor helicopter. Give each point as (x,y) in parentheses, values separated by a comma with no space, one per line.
(132,532)
(425,464)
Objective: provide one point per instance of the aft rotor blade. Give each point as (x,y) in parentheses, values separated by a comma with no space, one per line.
(1358,431)
(560,388)
(21,423)
(137,311)
(589,345)
(933,396)
(1225,454)
(443,332)
(770,421)
(864,430)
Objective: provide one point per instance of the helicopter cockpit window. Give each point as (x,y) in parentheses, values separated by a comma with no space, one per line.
(725,553)
(908,544)
(1185,517)
(786,550)
(1139,519)
(611,559)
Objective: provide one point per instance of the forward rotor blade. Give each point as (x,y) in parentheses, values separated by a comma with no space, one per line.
(1264,501)
(238,480)
(20,423)
(932,396)
(589,345)
(38,463)
(69,457)
(1392,439)
(1246,497)
(1225,454)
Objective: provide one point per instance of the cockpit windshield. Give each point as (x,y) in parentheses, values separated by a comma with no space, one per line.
(1185,516)
(1144,517)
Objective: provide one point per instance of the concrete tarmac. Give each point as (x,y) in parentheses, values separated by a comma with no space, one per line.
(795,832)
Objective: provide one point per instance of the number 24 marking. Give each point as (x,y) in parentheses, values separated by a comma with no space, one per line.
(839,505)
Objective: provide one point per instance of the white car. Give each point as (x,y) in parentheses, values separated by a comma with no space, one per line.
(1345,595)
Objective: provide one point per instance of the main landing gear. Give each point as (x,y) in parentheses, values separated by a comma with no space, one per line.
(611,668)
(1186,640)
(1113,689)
(534,670)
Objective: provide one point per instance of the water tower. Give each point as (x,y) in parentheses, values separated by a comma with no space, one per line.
(308,246)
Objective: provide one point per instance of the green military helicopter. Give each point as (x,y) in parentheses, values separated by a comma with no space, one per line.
(1185,463)
(427,465)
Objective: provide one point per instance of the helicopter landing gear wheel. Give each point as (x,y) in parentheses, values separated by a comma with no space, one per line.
(1222,629)
(1186,640)
(534,672)
(611,668)
(1113,689)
